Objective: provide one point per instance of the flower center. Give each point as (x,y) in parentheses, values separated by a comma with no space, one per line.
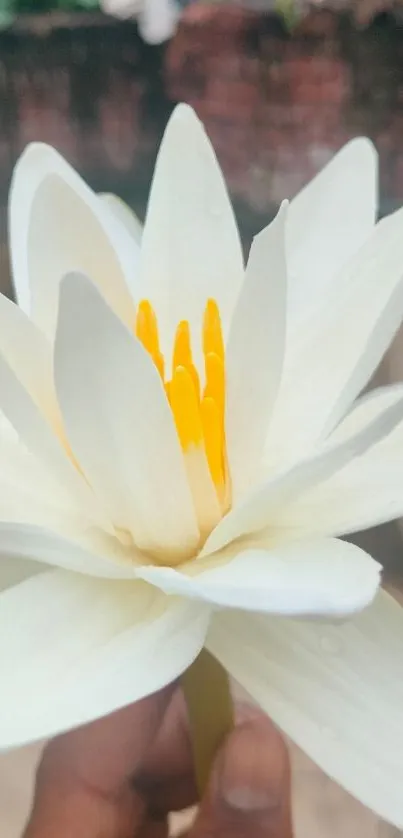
(198,408)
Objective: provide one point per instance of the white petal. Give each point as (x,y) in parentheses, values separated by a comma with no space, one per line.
(17,783)
(366,492)
(261,509)
(255,353)
(14,570)
(336,690)
(368,408)
(125,214)
(73,649)
(205,498)
(57,224)
(29,355)
(90,553)
(326,577)
(36,434)
(157,20)
(384,330)
(39,522)
(119,423)
(329,220)
(330,359)
(190,247)
(31,493)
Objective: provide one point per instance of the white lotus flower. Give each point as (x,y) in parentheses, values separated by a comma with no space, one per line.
(181,448)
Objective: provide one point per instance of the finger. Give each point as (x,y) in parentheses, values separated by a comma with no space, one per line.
(171,750)
(249,792)
(84,784)
(154,828)
(167,776)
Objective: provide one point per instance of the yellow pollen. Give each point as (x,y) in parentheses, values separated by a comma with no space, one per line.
(212,331)
(199,419)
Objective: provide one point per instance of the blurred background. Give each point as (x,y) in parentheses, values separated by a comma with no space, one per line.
(277,103)
(280,87)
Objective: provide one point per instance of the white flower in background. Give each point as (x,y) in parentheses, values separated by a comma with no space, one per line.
(157,19)
(180,446)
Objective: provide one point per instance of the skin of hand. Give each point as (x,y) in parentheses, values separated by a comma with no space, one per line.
(121,776)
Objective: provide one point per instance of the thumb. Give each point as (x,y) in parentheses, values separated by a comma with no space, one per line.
(249,792)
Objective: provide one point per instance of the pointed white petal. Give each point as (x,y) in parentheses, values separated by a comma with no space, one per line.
(336,690)
(57,224)
(368,408)
(366,492)
(328,222)
(91,553)
(29,355)
(331,357)
(190,247)
(255,353)
(325,577)
(28,397)
(36,434)
(261,509)
(28,492)
(382,334)
(125,214)
(31,493)
(73,649)
(17,784)
(119,423)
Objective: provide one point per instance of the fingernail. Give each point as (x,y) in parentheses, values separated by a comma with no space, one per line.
(247,799)
(250,779)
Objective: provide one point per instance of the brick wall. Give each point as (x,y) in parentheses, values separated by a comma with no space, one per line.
(276,106)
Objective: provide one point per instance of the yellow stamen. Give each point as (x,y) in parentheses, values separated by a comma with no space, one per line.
(199,421)
(213,439)
(195,378)
(160,364)
(215,381)
(185,408)
(212,331)
(182,354)
(147,329)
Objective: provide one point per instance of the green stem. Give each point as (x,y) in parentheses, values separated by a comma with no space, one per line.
(210,709)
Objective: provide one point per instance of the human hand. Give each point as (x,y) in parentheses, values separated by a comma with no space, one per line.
(121,776)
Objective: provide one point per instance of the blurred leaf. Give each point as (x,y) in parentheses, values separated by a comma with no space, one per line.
(12,7)
(6,17)
(288,11)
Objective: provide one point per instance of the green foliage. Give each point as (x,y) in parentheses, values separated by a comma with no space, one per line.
(10,8)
